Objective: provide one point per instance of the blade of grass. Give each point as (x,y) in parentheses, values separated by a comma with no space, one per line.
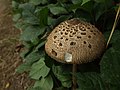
(114,25)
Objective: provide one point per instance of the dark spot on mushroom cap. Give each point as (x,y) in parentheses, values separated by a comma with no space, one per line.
(66,39)
(74,33)
(67,30)
(94,33)
(61,33)
(88,27)
(83,33)
(89,36)
(70,35)
(61,38)
(91,30)
(89,46)
(60,44)
(71,31)
(78,37)
(82,29)
(54,53)
(55,37)
(66,33)
(76,30)
(72,43)
(84,42)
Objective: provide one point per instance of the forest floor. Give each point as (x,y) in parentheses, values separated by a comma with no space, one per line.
(9,55)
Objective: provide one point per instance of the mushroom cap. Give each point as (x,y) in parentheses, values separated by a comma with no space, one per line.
(75,41)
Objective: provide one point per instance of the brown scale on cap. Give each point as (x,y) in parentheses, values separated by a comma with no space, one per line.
(78,41)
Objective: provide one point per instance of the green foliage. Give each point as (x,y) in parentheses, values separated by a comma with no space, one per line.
(90,81)
(37,2)
(77,1)
(85,1)
(39,69)
(110,62)
(32,33)
(28,61)
(58,10)
(46,83)
(64,77)
(37,18)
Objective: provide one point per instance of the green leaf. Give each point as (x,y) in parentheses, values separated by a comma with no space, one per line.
(28,14)
(61,19)
(110,64)
(27,7)
(84,2)
(58,10)
(100,1)
(43,16)
(63,1)
(14,4)
(51,21)
(37,2)
(39,69)
(23,54)
(99,12)
(104,1)
(65,78)
(41,43)
(76,1)
(28,44)
(88,7)
(21,25)
(90,81)
(29,18)
(29,59)
(23,67)
(46,83)
(115,37)
(33,56)
(16,17)
(31,33)
(83,15)
(35,41)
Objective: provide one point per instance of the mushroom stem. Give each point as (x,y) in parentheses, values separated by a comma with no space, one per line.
(74,70)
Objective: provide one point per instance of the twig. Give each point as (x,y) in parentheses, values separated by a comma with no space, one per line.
(114,25)
(74,70)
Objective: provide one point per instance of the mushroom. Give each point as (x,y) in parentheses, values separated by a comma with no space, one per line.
(74,42)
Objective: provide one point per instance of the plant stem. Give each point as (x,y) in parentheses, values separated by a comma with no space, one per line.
(114,25)
(74,70)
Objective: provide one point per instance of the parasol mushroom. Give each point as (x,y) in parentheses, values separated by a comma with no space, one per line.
(75,42)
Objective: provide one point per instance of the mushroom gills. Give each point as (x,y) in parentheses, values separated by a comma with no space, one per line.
(68,57)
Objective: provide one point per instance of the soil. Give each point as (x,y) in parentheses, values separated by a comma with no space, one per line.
(9,56)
